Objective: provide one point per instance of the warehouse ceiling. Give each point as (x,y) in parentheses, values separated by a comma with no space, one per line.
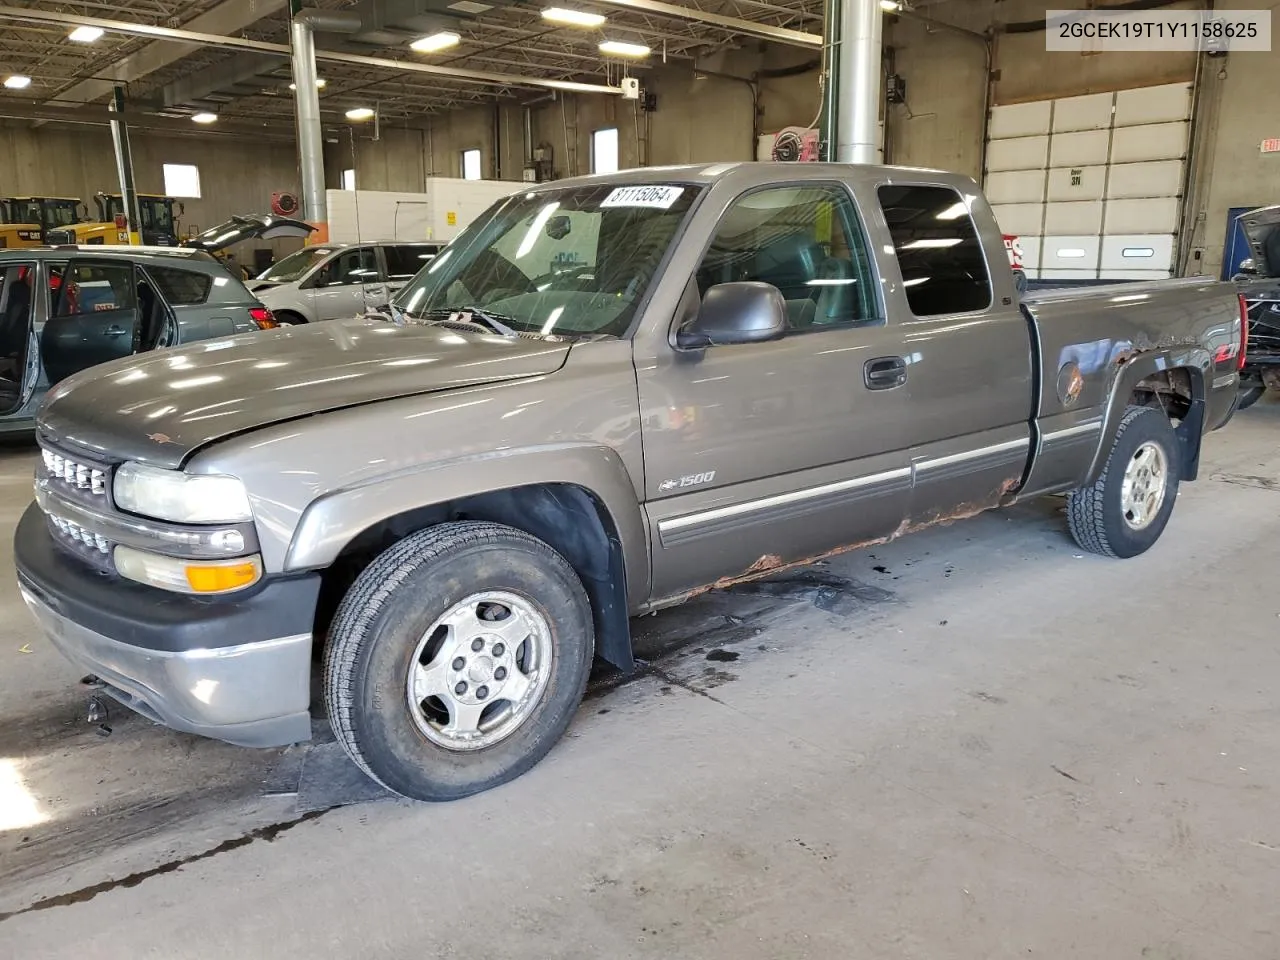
(248,88)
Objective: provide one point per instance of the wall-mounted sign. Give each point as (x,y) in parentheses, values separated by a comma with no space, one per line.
(1271,145)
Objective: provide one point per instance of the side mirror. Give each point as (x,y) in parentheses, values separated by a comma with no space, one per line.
(182,209)
(749,312)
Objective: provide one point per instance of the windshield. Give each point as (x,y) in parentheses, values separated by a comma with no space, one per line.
(60,213)
(295,265)
(26,211)
(573,262)
(156,214)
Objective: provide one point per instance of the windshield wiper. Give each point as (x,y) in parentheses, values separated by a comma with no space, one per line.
(472,317)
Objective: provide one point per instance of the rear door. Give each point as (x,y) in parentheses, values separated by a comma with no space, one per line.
(348,284)
(94,318)
(403,261)
(18,289)
(966,344)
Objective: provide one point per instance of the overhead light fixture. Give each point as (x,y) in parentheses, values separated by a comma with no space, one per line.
(321,83)
(17,82)
(86,34)
(574,18)
(360,113)
(620,48)
(890,6)
(205,117)
(435,42)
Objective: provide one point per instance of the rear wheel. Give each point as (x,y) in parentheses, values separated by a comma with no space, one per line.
(457,659)
(1126,509)
(288,318)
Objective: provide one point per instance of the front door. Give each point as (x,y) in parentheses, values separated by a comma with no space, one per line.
(348,284)
(759,455)
(94,317)
(18,291)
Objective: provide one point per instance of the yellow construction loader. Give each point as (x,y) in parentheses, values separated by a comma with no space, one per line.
(26,221)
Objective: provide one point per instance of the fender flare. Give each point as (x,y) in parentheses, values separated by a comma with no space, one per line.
(1195,359)
(334,520)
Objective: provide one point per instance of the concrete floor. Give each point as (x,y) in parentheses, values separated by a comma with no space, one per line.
(973,743)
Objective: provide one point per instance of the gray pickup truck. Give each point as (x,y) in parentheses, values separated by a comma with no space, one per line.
(607,395)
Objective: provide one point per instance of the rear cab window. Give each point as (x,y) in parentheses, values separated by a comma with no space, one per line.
(180,287)
(944,268)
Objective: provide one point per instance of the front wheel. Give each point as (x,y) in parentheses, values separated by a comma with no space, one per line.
(457,659)
(1126,509)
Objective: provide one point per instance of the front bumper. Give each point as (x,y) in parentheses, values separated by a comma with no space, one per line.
(237,670)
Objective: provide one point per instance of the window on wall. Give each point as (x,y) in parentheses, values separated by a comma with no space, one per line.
(604,151)
(349,179)
(471,165)
(182,180)
(938,250)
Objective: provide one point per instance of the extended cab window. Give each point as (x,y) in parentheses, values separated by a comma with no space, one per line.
(807,242)
(180,287)
(938,250)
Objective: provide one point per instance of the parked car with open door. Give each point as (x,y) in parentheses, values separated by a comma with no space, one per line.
(336,280)
(65,309)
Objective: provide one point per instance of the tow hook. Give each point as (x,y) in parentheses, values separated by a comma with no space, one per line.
(96,714)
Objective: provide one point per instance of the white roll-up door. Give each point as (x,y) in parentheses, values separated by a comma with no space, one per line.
(1092,185)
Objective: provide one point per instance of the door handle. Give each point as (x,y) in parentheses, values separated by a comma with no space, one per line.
(115,331)
(884,373)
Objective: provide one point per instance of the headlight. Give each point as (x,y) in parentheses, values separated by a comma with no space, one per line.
(188,576)
(180,497)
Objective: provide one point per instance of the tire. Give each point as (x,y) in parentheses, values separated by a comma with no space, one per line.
(388,629)
(290,319)
(1249,395)
(1096,514)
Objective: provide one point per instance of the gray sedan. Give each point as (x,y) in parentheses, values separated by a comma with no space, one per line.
(63,309)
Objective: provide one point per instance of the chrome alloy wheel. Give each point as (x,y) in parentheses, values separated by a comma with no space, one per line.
(479,671)
(1146,477)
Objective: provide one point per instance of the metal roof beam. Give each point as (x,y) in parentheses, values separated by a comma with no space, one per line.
(487,78)
(227,17)
(748,28)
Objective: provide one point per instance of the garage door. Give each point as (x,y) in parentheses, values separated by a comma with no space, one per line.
(1092,184)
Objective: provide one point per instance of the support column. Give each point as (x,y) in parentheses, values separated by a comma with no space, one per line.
(124,167)
(858,104)
(831,13)
(307,108)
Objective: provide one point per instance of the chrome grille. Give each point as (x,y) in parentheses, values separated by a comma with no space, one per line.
(77,533)
(81,476)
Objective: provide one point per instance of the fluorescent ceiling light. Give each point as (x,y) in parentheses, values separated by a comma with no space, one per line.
(321,83)
(85,34)
(360,113)
(17,82)
(890,6)
(622,49)
(205,117)
(435,42)
(575,18)
(932,243)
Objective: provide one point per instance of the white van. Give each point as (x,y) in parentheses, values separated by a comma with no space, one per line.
(334,280)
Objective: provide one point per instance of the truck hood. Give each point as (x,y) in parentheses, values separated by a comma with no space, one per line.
(161,407)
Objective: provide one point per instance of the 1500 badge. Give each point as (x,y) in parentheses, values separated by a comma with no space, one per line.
(692,480)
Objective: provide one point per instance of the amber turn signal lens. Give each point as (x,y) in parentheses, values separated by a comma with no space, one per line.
(220,579)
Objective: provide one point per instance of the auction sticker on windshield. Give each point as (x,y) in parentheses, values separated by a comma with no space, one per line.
(660,197)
